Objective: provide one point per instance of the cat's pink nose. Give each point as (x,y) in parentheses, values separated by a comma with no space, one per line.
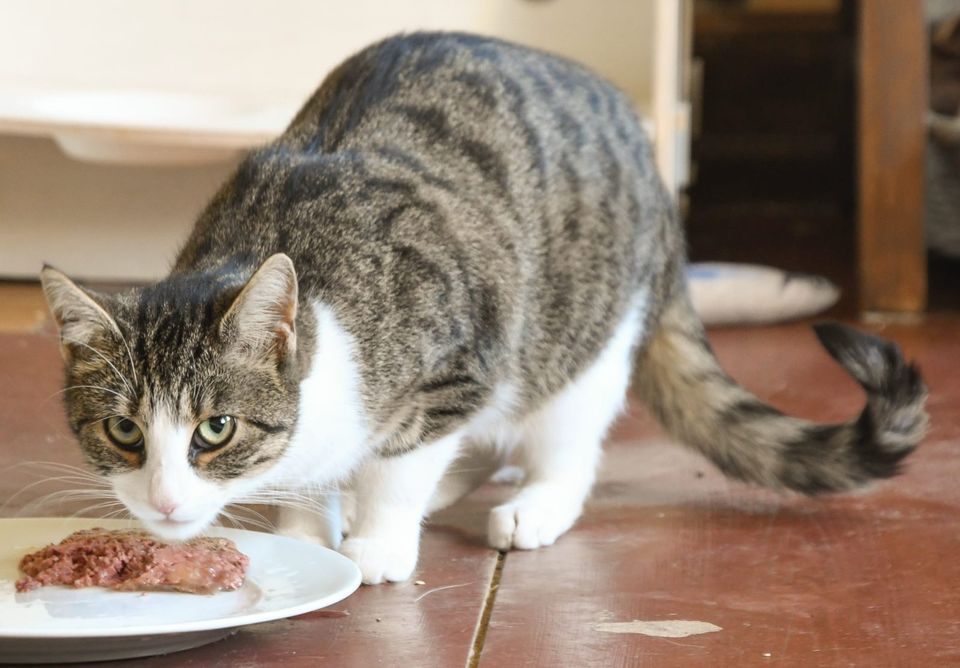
(165,507)
(161,496)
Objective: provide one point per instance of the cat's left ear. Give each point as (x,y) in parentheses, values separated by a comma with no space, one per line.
(262,319)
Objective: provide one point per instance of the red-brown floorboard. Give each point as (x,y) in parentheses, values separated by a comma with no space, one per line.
(867,579)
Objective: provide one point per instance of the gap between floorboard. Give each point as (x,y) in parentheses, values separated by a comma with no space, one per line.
(476,648)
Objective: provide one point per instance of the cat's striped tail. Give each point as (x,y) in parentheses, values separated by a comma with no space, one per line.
(680,379)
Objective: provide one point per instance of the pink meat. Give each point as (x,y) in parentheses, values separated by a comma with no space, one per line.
(134,561)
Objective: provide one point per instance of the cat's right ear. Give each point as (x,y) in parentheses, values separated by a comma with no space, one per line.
(78,316)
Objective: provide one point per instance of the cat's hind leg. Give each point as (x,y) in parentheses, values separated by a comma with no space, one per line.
(560,449)
(391,496)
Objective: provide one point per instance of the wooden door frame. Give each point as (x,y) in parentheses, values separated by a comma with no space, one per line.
(892,103)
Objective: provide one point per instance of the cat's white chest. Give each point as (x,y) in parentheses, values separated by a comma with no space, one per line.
(331,436)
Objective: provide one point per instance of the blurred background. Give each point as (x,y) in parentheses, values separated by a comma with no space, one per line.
(814,149)
(793,133)
(812,136)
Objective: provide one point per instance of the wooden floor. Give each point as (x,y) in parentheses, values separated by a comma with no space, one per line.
(867,579)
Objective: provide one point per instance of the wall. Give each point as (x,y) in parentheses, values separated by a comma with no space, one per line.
(112,222)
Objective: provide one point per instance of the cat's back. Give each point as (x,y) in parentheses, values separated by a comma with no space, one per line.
(522,150)
(465,200)
(550,181)
(442,83)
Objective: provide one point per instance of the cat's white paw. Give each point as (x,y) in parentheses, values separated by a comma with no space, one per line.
(382,559)
(527,523)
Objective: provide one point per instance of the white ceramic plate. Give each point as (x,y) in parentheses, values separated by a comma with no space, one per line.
(59,624)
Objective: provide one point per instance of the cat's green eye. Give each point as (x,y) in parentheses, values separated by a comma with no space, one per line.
(215,432)
(124,433)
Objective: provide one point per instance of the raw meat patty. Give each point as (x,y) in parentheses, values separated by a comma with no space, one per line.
(134,561)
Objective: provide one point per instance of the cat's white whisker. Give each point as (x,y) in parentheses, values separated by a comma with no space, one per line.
(39,463)
(87,387)
(60,498)
(121,513)
(242,522)
(258,520)
(258,517)
(122,378)
(99,506)
(133,366)
(287,498)
(224,515)
(68,478)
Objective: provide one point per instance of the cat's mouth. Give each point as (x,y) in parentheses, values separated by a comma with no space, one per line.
(171,529)
(174,523)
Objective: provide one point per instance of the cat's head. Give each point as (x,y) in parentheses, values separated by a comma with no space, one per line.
(184,393)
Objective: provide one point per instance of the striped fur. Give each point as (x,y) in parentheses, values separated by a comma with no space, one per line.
(679,377)
(459,202)
(469,217)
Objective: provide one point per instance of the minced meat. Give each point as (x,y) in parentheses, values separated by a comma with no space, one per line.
(131,560)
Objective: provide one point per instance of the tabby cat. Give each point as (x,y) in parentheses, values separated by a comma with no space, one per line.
(455,254)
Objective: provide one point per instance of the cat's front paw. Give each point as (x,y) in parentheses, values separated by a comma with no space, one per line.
(382,559)
(535,519)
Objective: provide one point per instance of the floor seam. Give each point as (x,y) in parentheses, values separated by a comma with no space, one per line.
(476,649)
